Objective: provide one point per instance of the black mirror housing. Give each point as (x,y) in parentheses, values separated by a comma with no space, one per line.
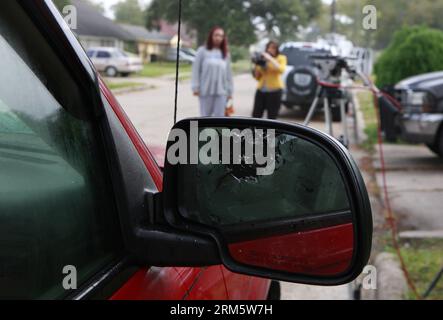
(317,229)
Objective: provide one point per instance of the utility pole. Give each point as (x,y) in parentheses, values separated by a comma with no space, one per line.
(357,21)
(334,16)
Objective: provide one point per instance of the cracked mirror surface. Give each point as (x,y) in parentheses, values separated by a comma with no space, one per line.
(305,181)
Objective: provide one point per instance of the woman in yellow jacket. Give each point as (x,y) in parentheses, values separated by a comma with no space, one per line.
(270,84)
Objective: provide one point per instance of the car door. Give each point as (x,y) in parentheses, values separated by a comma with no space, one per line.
(60,142)
(161,283)
(102,60)
(241,287)
(59,226)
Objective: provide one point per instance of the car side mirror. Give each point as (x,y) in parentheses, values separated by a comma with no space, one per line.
(279,200)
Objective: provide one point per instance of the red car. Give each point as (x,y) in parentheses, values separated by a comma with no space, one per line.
(85,211)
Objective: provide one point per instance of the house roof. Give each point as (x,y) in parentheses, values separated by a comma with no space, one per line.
(90,22)
(172,30)
(142,34)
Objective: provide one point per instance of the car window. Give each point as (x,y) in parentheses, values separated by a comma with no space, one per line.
(90,53)
(56,201)
(297,57)
(103,54)
(301,57)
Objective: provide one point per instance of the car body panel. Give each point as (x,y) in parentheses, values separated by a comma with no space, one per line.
(421,128)
(209,283)
(153,284)
(123,64)
(239,289)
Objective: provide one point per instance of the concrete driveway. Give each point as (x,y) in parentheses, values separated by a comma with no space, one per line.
(415,184)
(152,111)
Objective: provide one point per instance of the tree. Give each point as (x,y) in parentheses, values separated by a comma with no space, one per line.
(281,18)
(129,11)
(241,19)
(98,5)
(60,4)
(392,16)
(414,50)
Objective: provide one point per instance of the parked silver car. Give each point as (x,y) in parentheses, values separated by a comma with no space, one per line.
(114,61)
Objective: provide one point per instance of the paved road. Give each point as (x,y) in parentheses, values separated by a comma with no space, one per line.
(152,111)
(152,114)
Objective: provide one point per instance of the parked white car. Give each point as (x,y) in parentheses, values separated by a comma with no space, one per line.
(114,61)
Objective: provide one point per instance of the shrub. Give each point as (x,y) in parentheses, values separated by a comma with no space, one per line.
(413,51)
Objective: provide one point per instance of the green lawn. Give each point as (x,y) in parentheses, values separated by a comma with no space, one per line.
(424,260)
(159,69)
(370,116)
(123,85)
(241,66)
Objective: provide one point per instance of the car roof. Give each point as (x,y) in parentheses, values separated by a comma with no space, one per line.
(304,45)
(103,49)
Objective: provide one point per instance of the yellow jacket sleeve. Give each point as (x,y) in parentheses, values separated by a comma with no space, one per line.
(282,64)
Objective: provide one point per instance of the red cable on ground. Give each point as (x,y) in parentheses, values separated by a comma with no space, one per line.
(392,100)
(390,215)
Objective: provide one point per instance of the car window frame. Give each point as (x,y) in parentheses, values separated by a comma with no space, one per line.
(93,53)
(48,21)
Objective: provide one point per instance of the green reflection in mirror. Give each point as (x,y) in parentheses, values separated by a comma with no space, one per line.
(306,181)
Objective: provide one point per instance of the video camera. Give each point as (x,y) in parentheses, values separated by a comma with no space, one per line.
(331,67)
(258,59)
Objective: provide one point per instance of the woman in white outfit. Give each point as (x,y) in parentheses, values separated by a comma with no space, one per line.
(212,75)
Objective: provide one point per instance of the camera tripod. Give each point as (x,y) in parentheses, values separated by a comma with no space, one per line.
(329,94)
(331,67)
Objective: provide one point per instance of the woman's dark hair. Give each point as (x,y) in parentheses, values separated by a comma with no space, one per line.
(273,43)
(224,45)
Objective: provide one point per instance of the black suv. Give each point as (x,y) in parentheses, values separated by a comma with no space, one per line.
(302,74)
